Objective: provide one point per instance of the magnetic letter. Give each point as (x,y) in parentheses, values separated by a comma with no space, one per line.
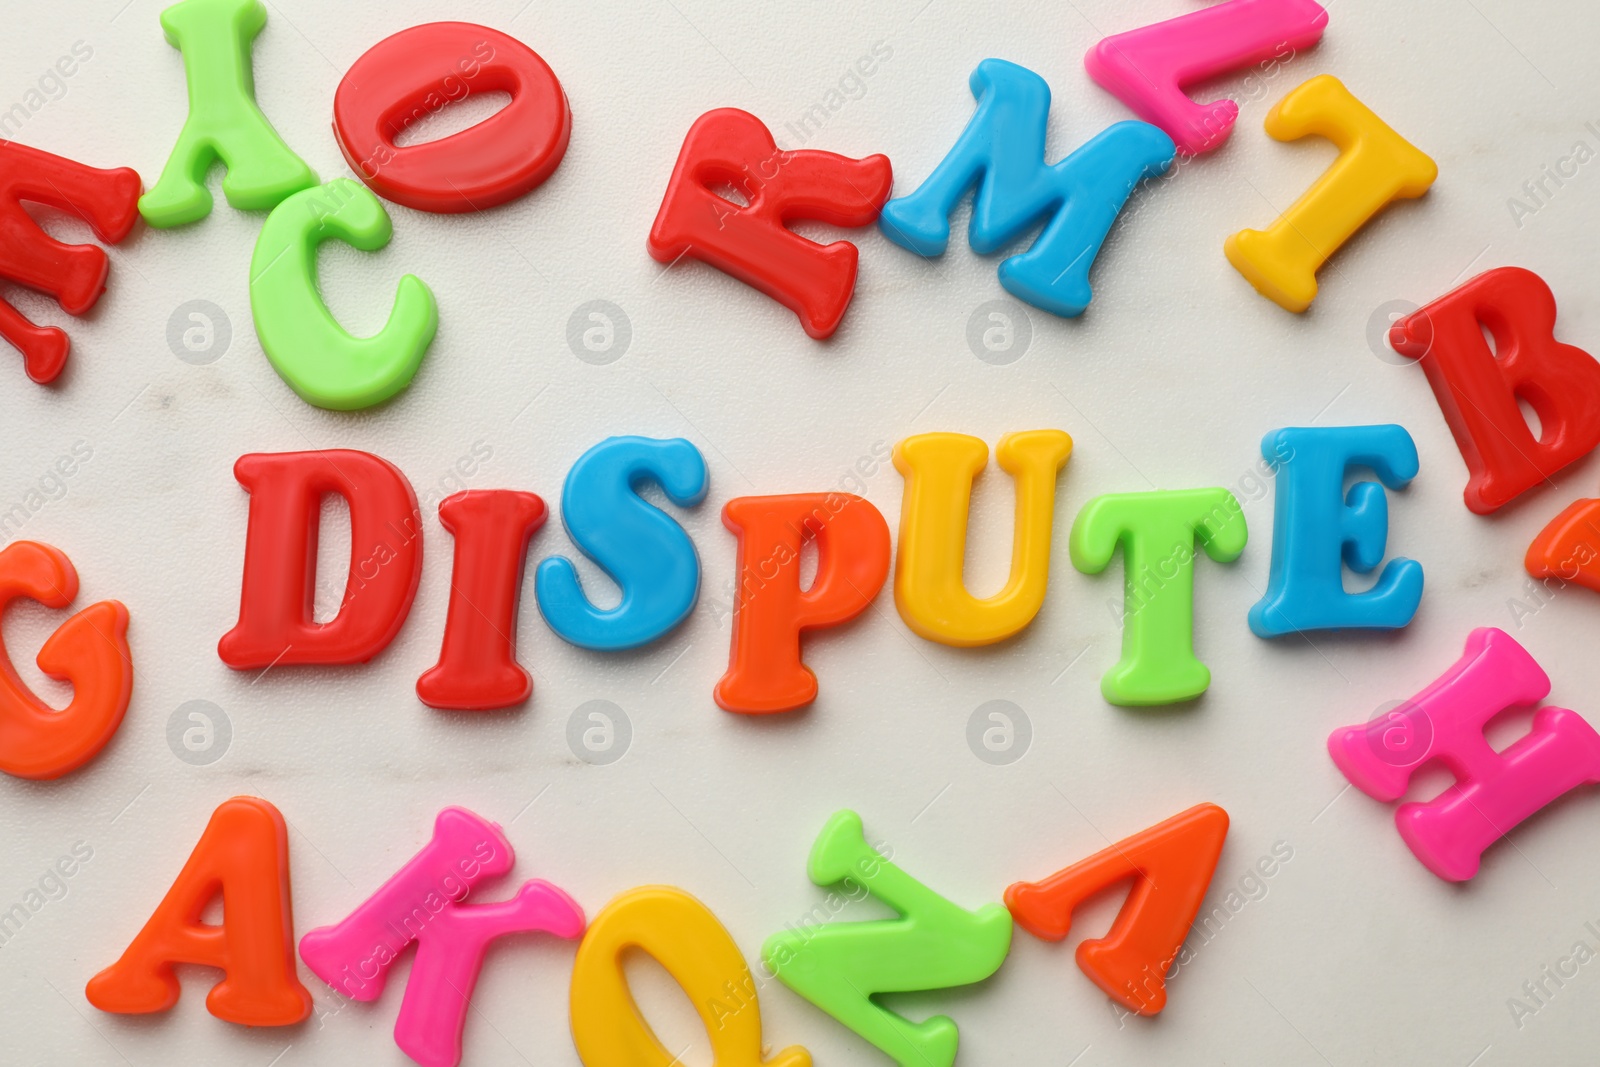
(423,902)
(765,672)
(1001,152)
(89,650)
(680,934)
(1375,167)
(1158,532)
(1171,865)
(280,559)
(1494,792)
(244,856)
(751,242)
(637,544)
(403,77)
(74,275)
(307,346)
(1568,549)
(224,121)
(1478,387)
(1148,68)
(1316,525)
(934,944)
(928,586)
(478,666)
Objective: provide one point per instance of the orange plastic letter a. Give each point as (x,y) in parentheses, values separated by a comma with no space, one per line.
(244,855)
(1171,865)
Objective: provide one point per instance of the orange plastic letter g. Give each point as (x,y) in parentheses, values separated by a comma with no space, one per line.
(1375,166)
(90,650)
(695,949)
(765,673)
(1171,864)
(244,855)
(928,587)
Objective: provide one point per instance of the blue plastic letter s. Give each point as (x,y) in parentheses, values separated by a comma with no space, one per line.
(643,550)
(1313,528)
(1001,152)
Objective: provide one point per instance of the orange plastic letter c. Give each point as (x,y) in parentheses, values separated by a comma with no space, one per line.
(89,650)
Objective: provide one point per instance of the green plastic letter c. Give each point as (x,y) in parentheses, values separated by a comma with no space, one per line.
(306,345)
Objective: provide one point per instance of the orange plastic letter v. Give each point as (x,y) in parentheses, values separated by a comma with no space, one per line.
(1171,866)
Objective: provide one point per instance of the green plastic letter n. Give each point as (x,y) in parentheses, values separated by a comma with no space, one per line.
(935,944)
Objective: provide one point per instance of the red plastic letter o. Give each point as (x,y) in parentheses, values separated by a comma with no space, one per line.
(416,73)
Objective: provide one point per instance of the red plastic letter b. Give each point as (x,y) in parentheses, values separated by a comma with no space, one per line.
(1478,387)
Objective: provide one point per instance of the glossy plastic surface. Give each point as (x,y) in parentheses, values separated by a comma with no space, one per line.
(1568,548)
(680,934)
(929,589)
(1001,152)
(1478,387)
(751,242)
(275,626)
(478,666)
(934,944)
(89,650)
(224,120)
(420,70)
(643,549)
(1319,528)
(74,275)
(1148,68)
(1171,865)
(1494,791)
(765,673)
(424,902)
(317,357)
(1158,532)
(243,856)
(1376,166)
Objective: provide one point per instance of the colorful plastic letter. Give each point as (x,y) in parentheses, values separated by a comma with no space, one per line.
(752,243)
(243,856)
(478,666)
(1375,167)
(934,944)
(275,624)
(89,650)
(1478,387)
(418,71)
(75,275)
(307,346)
(423,902)
(1158,532)
(1171,865)
(771,611)
(1316,525)
(928,588)
(1001,152)
(682,935)
(1568,549)
(224,121)
(642,548)
(1148,68)
(1494,791)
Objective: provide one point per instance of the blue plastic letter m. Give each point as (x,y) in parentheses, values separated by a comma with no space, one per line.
(1001,153)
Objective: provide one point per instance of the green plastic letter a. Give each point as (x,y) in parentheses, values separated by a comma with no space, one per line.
(224,121)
